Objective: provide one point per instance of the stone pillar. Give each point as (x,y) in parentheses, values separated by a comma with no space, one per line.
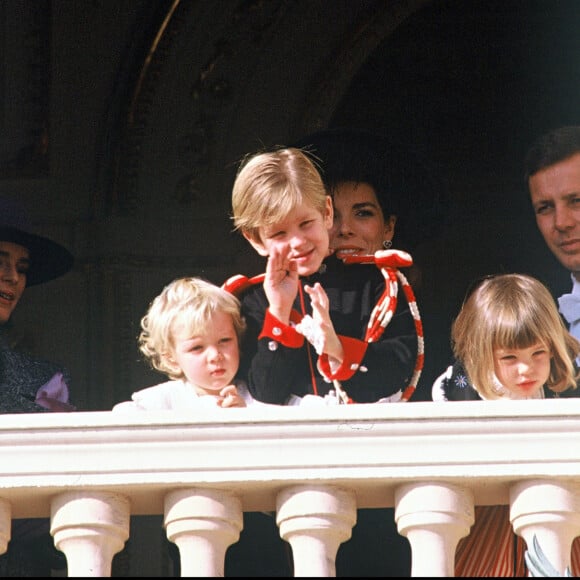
(434,517)
(549,510)
(203,523)
(5,524)
(315,520)
(90,528)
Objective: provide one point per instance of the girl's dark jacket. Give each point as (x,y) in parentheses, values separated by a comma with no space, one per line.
(456,386)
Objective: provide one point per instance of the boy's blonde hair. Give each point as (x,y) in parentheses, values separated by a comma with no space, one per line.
(269,185)
(185,303)
(512,311)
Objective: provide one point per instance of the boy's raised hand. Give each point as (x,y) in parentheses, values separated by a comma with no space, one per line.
(327,339)
(281,283)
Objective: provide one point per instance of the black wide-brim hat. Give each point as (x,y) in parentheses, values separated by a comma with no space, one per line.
(48,259)
(406,183)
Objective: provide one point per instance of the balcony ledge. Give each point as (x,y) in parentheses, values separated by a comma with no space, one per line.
(370,449)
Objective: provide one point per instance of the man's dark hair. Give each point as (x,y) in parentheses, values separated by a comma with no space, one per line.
(551,148)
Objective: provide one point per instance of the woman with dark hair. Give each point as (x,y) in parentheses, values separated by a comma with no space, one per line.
(28,384)
(385,195)
(405,185)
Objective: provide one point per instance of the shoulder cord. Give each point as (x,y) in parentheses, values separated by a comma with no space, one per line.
(389,262)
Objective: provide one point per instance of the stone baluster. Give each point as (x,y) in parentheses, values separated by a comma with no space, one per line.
(5,524)
(433,517)
(315,520)
(549,510)
(203,523)
(90,528)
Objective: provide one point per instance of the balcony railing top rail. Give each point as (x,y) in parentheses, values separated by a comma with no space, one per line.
(256,452)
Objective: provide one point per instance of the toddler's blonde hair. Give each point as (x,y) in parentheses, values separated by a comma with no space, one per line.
(185,303)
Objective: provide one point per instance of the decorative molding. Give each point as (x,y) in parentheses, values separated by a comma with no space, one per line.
(362,39)
(249,22)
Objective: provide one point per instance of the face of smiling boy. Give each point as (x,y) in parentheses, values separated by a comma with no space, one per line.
(303,235)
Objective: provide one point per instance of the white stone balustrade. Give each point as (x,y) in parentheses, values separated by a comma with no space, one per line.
(203,523)
(315,520)
(433,517)
(5,520)
(550,510)
(311,467)
(90,527)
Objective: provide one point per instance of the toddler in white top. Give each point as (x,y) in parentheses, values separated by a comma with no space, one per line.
(192,333)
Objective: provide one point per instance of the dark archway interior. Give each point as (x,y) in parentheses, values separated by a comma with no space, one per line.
(470,85)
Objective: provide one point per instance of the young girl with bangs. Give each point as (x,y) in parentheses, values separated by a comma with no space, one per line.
(509,343)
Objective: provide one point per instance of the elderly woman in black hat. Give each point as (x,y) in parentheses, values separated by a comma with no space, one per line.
(28,384)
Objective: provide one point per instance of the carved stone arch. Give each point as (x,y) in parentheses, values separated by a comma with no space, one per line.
(224,78)
(361,41)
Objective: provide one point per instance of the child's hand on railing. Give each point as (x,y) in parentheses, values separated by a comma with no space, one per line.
(229,397)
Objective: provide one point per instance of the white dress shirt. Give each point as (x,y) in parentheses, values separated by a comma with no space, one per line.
(569,306)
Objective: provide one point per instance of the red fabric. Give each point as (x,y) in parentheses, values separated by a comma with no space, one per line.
(492,549)
(354,352)
(287,335)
